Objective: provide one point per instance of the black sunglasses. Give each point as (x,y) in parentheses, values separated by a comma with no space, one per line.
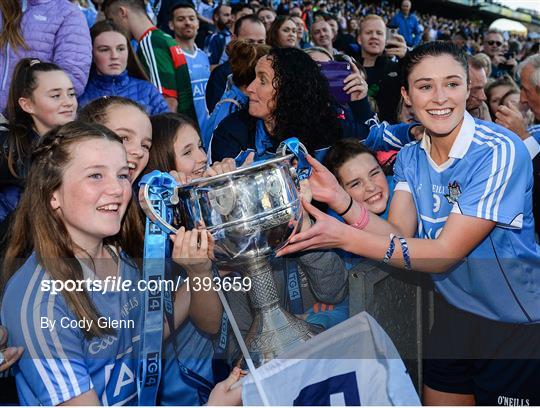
(497,43)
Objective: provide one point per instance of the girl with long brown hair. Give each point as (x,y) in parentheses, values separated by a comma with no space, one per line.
(81,331)
(116,70)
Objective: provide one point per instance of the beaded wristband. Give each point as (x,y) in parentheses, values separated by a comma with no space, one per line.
(390,250)
(405,251)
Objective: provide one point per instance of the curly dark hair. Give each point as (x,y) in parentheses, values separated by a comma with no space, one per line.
(304,107)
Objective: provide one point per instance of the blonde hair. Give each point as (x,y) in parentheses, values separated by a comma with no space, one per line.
(370,17)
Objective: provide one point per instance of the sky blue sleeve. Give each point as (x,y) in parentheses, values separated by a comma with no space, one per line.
(498,185)
(383,136)
(52,369)
(399,175)
(534,131)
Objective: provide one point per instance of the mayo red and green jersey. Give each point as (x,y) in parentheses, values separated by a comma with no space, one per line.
(488,175)
(59,363)
(166,66)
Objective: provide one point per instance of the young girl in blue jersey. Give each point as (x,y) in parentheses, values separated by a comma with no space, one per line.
(81,345)
(177,149)
(462,211)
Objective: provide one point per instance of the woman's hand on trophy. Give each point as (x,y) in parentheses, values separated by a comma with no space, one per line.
(225,392)
(325,187)
(326,233)
(180,177)
(226,165)
(194,250)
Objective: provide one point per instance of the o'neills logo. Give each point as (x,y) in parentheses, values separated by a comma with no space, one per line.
(512,402)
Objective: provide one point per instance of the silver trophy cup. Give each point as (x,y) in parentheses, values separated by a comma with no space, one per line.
(251,213)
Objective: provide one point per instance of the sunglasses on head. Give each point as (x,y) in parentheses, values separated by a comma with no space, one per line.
(497,43)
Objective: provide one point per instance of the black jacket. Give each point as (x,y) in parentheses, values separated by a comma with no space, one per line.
(384,81)
(236,133)
(215,88)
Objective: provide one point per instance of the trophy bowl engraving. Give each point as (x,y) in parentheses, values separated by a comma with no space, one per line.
(250,212)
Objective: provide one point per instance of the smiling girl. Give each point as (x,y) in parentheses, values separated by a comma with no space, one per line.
(70,226)
(41,97)
(128,120)
(360,175)
(462,211)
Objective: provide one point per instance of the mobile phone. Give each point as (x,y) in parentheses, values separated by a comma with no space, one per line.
(336,72)
(509,55)
(390,33)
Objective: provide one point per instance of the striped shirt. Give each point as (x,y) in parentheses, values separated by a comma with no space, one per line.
(60,364)
(488,175)
(165,64)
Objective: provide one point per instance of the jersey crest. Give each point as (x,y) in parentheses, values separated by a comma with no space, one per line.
(454,191)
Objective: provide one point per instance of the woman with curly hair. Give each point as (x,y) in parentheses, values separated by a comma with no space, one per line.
(290,97)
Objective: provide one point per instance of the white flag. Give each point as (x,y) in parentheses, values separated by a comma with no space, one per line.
(353,363)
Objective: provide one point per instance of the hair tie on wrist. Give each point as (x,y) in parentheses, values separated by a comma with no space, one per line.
(348,208)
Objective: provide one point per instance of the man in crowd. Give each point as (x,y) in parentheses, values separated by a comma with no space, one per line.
(241,10)
(476,102)
(383,74)
(218,41)
(460,38)
(248,28)
(321,35)
(162,58)
(501,63)
(408,25)
(334,26)
(512,118)
(529,74)
(185,24)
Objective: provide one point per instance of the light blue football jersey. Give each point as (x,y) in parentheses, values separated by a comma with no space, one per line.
(489,176)
(60,364)
(199,72)
(195,353)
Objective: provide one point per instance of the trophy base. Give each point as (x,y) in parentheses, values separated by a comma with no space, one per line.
(273,332)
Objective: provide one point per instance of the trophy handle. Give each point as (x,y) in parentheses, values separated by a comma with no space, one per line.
(162,185)
(303,168)
(153,215)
